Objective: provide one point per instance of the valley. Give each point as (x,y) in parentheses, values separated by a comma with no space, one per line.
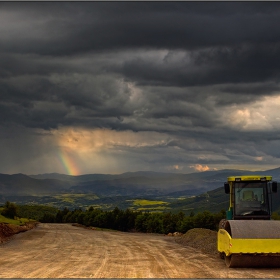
(195,192)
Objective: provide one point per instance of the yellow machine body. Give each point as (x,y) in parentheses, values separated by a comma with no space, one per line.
(230,245)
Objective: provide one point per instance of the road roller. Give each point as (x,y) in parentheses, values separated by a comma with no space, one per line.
(248,237)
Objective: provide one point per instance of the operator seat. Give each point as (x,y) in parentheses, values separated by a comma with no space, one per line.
(248,195)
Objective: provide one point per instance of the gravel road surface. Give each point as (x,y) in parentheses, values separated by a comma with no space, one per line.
(66,251)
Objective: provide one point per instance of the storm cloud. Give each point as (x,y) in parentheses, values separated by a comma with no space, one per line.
(127,86)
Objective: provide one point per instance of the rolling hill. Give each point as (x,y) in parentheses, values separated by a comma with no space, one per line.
(20,184)
(201,190)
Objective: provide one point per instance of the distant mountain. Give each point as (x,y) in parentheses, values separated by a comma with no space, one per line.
(140,183)
(135,184)
(20,184)
(74,179)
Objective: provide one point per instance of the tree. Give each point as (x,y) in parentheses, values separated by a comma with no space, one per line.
(169,222)
(186,224)
(100,220)
(59,217)
(154,223)
(204,220)
(10,210)
(192,214)
(47,218)
(141,222)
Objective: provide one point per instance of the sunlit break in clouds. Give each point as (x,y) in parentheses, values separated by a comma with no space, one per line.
(199,167)
(113,87)
(89,148)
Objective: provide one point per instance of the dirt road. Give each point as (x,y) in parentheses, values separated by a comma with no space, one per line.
(65,251)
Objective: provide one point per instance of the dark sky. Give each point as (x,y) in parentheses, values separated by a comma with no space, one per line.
(110,87)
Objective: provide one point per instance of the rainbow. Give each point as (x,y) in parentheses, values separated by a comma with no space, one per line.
(68,163)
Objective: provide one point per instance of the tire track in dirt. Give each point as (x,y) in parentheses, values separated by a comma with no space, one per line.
(99,272)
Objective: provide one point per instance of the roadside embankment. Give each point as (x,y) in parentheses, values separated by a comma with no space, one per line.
(8,230)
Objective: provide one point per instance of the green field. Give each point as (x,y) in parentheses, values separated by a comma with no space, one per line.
(18,221)
(214,201)
(75,198)
(153,209)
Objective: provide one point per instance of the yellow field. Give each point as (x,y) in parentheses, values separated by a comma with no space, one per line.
(145,202)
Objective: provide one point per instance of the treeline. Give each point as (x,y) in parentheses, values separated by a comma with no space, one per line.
(34,212)
(128,220)
(123,220)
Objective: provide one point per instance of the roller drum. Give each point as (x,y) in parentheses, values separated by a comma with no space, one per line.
(253,229)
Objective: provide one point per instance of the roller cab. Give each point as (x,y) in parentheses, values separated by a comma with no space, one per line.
(248,237)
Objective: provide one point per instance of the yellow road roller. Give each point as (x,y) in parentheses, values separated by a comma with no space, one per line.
(248,237)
